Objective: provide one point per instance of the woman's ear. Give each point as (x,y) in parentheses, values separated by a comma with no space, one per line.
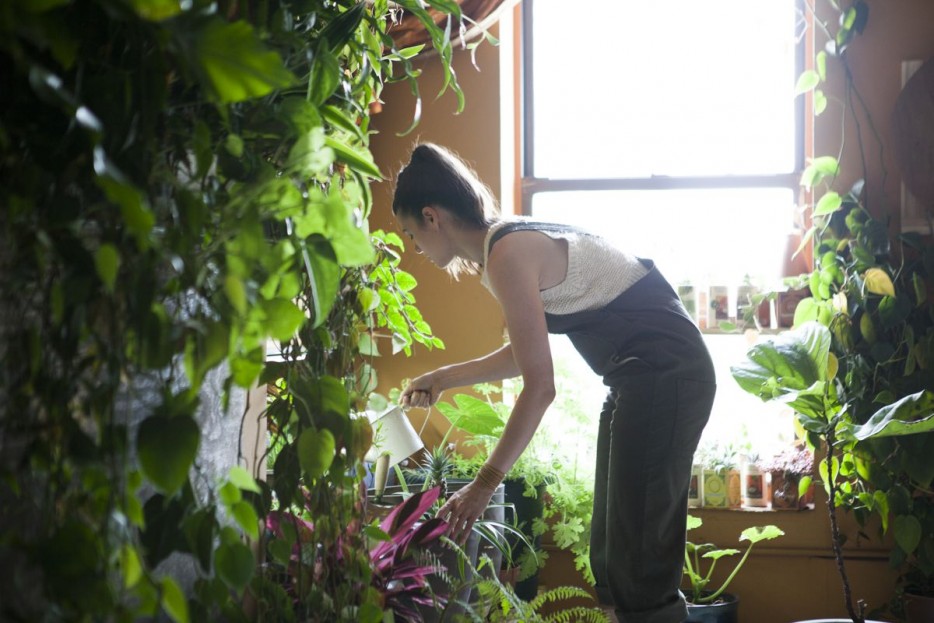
(430,216)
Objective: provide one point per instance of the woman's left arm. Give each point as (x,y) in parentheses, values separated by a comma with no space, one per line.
(514,268)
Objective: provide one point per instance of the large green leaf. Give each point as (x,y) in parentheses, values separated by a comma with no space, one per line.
(912,414)
(324,277)
(315,451)
(761,533)
(472,415)
(283,318)
(786,364)
(167,447)
(907,532)
(234,563)
(235,64)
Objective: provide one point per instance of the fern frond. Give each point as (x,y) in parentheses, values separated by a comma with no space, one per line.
(578,614)
(558,593)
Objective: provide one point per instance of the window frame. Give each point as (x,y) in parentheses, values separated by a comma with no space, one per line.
(530,185)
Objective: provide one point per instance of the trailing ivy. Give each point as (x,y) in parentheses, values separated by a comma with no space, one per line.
(182,183)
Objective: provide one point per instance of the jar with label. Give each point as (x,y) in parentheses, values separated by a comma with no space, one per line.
(754,485)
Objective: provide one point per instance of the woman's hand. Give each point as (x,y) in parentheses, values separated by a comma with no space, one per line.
(422,391)
(463,509)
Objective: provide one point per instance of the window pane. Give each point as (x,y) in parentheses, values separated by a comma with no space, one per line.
(700,236)
(663,88)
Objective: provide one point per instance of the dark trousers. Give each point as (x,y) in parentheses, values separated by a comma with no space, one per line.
(649,429)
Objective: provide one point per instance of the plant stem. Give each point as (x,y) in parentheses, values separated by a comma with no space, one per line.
(835,530)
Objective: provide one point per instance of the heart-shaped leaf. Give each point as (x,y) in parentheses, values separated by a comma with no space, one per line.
(315,451)
(167,447)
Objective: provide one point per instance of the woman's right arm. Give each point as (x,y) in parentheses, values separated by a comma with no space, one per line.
(426,389)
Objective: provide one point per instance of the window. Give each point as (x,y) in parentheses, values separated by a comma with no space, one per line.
(672,129)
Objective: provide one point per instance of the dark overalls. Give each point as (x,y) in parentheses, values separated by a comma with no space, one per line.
(652,357)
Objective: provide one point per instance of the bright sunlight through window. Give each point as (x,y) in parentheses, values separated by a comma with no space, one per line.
(670,128)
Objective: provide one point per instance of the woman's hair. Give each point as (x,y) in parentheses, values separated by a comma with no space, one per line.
(436,177)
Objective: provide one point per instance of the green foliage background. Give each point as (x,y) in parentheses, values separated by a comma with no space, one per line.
(181,183)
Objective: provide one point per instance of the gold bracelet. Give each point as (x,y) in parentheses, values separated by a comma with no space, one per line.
(489,476)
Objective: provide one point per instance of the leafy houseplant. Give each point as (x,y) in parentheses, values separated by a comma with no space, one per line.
(558,500)
(182,183)
(701,593)
(798,369)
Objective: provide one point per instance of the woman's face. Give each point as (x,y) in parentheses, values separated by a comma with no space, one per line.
(429,236)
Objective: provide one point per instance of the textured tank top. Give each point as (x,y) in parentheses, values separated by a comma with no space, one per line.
(597,271)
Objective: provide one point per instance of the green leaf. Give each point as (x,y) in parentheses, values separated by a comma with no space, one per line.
(828,204)
(324,276)
(242,479)
(342,28)
(820,62)
(878,282)
(283,318)
(910,415)
(796,360)
(315,451)
(309,154)
(156,10)
(761,533)
(245,516)
(820,102)
(806,81)
(336,117)
(167,447)
(694,522)
(107,262)
(325,77)
(130,565)
(236,293)
(234,563)
(472,415)
(907,530)
(361,161)
(235,64)
(173,601)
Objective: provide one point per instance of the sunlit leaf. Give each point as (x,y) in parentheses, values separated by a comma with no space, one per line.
(130,565)
(909,415)
(173,600)
(828,204)
(760,533)
(360,160)
(315,451)
(242,479)
(806,81)
(245,516)
(878,282)
(235,64)
(283,318)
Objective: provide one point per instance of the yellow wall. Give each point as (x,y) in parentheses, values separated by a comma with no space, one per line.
(785,580)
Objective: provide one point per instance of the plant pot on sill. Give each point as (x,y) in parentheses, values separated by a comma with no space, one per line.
(724,610)
(785,494)
(918,608)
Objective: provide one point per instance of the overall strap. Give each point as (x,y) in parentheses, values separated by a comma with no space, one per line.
(533,226)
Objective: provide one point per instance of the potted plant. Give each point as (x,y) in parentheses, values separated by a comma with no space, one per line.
(791,479)
(708,604)
(798,369)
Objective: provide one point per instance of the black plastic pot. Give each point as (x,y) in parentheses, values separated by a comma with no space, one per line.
(724,610)
(527,510)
